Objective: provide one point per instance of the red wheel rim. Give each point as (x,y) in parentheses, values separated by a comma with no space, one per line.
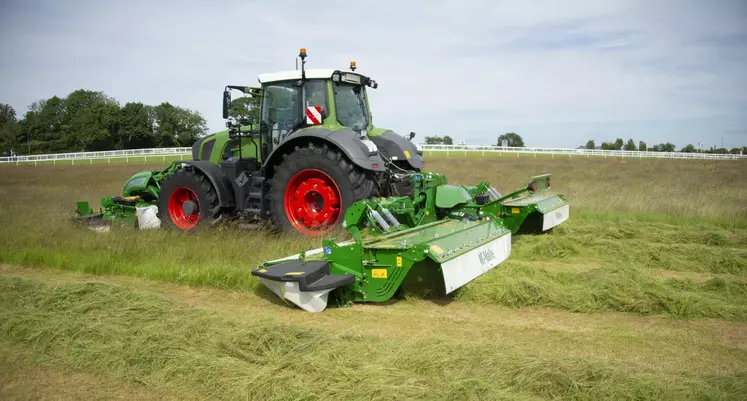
(181,219)
(312,202)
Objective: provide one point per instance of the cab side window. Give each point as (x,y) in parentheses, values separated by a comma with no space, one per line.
(281,108)
(316,94)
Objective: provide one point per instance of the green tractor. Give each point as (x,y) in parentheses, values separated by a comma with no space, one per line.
(314,152)
(315,161)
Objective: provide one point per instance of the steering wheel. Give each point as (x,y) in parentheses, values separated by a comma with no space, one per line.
(287,123)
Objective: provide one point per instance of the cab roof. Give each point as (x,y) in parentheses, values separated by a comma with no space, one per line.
(324,73)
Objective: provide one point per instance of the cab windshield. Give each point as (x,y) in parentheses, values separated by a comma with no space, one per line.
(350,103)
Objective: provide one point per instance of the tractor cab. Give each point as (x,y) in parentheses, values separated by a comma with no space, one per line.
(315,99)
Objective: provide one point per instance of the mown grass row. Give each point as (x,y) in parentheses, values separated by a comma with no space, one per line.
(618,289)
(130,336)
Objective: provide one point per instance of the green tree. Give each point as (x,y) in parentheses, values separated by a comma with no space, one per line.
(689,148)
(590,144)
(448,140)
(514,140)
(42,126)
(434,140)
(246,108)
(90,121)
(630,145)
(176,126)
(642,146)
(664,147)
(9,129)
(135,127)
(619,144)
(608,146)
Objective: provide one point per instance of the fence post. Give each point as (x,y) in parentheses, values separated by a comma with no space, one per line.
(73,162)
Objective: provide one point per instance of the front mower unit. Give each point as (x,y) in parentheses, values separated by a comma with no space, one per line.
(443,236)
(136,206)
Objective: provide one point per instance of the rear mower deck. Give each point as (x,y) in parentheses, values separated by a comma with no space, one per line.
(448,247)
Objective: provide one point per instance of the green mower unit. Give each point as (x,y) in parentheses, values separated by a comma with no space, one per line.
(441,235)
(135,206)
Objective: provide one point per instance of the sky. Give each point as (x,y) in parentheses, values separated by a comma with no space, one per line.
(558,73)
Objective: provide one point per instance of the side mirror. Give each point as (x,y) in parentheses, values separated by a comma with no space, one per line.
(412,135)
(226,102)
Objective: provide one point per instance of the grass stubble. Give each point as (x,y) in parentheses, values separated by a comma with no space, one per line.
(648,239)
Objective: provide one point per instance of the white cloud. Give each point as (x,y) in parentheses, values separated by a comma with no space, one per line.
(556,72)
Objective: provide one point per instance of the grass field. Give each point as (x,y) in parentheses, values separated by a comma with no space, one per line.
(641,295)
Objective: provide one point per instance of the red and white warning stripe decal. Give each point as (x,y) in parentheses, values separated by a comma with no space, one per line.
(314,115)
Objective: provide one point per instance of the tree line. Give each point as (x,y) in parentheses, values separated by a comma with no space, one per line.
(87,120)
(437,140)
(513,140)
(619,144)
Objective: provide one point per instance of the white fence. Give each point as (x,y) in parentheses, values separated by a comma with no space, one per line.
(141,154)
(482,149)
(91,156)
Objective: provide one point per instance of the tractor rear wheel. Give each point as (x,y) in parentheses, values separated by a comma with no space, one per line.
(187,200)
(312,187)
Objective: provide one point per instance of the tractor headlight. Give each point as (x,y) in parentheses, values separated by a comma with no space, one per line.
(372,149)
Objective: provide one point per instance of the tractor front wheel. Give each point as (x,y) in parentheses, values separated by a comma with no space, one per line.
(187,200)
(312,188)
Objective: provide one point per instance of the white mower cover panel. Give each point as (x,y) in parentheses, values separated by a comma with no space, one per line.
(555,217)
(465,268)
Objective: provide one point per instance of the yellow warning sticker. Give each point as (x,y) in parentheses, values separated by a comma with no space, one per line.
(407,154)
(293,273)
(515,210)
(262,270)
(437,249)
(399,261)
(378,273)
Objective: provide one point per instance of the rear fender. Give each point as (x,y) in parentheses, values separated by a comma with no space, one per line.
(217,177)
(345,140)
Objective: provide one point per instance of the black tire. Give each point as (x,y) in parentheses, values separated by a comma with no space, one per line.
(208,207)
(352,182)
